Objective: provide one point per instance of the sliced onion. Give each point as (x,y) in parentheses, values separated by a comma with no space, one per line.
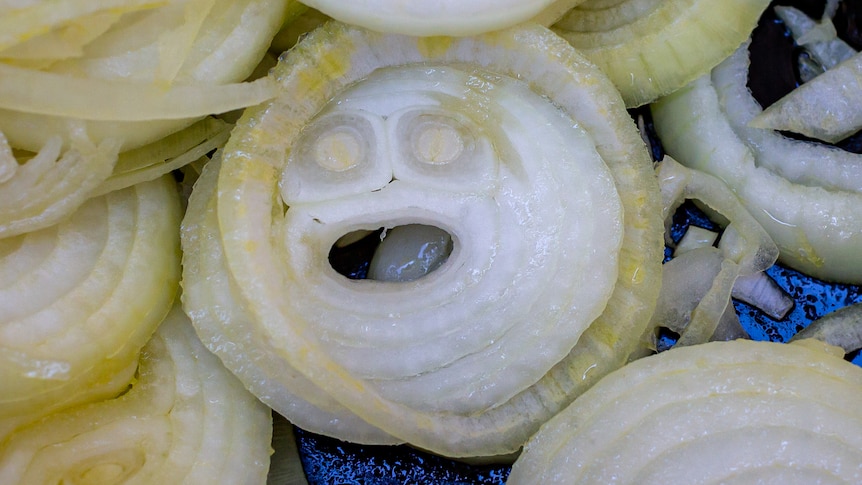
(42,190)
(446,17)
(650,48)
(723,412)
(80,299)
(185,419)
(805,195)
(157,71)
(825,108)
(170,153)
(505,311)
(842,328)
(825,47)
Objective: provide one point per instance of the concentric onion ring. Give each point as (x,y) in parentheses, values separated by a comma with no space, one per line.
(650,48)
(806,195)
(185,419)
(723,412)
(81,298)
(531,306)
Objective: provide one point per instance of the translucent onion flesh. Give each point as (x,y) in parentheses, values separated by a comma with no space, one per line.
(809,209)
(271,248)
(80,299)
(650,48)
(723,412)
(184,419)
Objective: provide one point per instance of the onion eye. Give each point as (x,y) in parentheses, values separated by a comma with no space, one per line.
(339,154)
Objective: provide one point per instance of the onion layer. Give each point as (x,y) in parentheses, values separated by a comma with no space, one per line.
(81,298)
(185,419)
(650,48)
(723,412)
(811,210)
(552,208)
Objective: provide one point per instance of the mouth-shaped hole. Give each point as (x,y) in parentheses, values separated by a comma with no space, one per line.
(400,254)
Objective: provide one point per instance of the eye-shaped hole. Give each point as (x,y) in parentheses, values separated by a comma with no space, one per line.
(442,149)
(341,153)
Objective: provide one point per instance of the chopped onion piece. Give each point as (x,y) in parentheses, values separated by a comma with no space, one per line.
(762,292)
(81,298)
(806,195)
(185,419)
(825,108)
(842,328)
(694,237)
(722,412)
(819,38)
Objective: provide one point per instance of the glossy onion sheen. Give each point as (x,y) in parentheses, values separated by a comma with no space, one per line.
(806,195)
(542,183)
(723,412)
(446,17)
(650,48)
(81,298)
(185,419)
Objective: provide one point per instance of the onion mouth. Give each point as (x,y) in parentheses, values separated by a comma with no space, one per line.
(397,254)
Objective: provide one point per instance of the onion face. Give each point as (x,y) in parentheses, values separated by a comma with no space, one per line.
(185,419)
(717,412)
(81,298)
(511,220)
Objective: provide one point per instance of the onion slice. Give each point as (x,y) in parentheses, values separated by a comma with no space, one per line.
(650,48)
(80,299)
(805,195)
(446,17)
(722,412)
(517,181)
(825,108)
(185,419)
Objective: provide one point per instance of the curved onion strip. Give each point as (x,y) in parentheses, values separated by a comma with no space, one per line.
(745,248)
(825,108)
(206,279)
(61,43)
(80,299)
(20,24)
(722,412)
(842,328)
(186,419)
(170,153)
(97,99)
(285,464)
(828,51)
(52,183)
(818,231)
(255,235)
(446,17)
(125,61)
(650,48)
